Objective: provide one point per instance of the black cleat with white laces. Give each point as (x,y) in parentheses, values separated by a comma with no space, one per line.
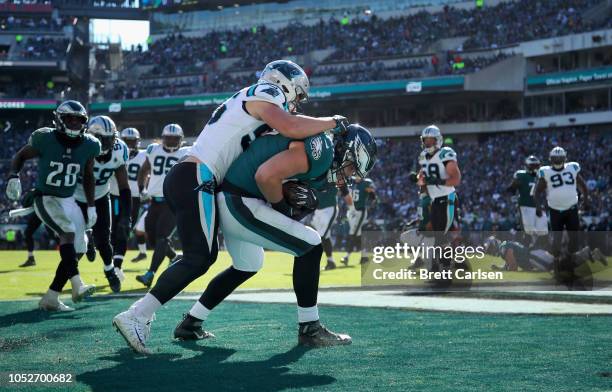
(314,334)
(113,281)
(191,329)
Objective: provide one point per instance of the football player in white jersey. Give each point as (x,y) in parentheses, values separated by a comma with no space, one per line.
(160,221)
(439,175)
(190,185)
(112,160)
(559,181)
(119,238)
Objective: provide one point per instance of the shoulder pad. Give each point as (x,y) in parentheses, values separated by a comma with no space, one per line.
(447,154)
(125,152)
(575,166)
(267,92)
(320,153)
(151,147)
(94,142)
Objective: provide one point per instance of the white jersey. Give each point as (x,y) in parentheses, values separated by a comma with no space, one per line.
(133,166)
(161,161)
(231,129)
(561,191)
(103,171)
(435,166)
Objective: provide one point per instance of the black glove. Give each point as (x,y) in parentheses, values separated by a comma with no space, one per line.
(299,195)
(538,212)
(341,125)
(413,177)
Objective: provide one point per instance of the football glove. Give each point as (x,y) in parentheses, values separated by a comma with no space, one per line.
(413,177)
(92,217)
(298,195)
(144,195)
(13,187)
(341,125)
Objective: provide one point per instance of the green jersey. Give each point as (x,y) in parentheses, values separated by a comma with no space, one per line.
(521,253)
(327,195)
(359,193)
(319,151)
(526,182)
(58,165)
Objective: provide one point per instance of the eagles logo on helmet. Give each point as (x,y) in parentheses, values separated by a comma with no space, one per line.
(70,119)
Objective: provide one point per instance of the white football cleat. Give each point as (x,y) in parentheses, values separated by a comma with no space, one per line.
(135,330)
(81,292)
(53,305)
(120,274)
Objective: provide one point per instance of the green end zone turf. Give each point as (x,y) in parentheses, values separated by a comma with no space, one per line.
(255,350)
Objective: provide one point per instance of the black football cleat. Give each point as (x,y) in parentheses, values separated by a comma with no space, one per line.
(364,260)
(330,265)
(139,257)
(113,281)
(30,262)
(191,329)
(313,334)
(146,278)
(345,261)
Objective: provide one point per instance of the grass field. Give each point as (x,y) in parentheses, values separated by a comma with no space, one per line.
(393,350)
(255,350)
(28,282)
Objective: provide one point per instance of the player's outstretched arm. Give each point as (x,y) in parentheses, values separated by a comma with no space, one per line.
(537,195)
(143,174)
(25,153)
(454,174)
(13,185)
(294,126)
(285,164)
(89,182)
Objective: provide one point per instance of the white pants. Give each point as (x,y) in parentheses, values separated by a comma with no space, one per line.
(63,216)
(322,221)
(532,224)
(356,221)
(249,225)
(140,224)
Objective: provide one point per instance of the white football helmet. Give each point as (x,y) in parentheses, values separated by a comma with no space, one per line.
(291,78)
(105,130)
(172,137)
(131,137)
(557,157)
(431,131)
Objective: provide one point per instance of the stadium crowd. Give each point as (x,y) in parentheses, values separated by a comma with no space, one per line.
(40,23)
(487,168)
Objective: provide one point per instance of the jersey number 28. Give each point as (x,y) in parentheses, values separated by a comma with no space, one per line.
(62,175)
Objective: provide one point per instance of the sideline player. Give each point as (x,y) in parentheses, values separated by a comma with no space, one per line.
(362,194)
(63,152)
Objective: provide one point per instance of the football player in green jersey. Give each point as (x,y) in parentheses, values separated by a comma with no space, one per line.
(256,212)
(524,182)
(63,153)
(362,195)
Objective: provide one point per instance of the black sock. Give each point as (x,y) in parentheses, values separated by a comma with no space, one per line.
(66,269)
(223,285)
(306,277)
(327,247)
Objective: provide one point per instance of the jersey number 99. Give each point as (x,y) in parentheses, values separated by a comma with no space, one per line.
(162,165)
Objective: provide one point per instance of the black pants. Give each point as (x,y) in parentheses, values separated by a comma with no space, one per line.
(159,222)
(181,194)
(102,228)
(564,220)
(34,223)
(118,238)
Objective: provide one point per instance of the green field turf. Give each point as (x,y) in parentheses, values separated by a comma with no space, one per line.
(31,282)
(255,350)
